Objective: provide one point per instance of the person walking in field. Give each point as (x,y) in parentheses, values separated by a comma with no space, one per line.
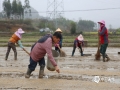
(15,38)
(103,37)
(38,52)
(59,44)
(78,43)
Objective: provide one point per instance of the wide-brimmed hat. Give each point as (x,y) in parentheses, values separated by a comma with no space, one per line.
(58,30)
(102,21)
(80,37)
(20,31)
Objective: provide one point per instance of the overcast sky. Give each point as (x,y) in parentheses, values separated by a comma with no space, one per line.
(110,12)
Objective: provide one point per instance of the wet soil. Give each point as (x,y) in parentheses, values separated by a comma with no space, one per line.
(77,72)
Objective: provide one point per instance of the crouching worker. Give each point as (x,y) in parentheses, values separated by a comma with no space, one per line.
(78,42)
(39,50)
(15,38)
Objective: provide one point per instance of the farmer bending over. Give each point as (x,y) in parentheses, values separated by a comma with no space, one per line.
(78,42)
(16,38)
(59,44)
(39,50)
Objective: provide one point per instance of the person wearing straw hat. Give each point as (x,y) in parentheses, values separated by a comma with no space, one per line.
(15,38)
(103,35)
(78,42)
(60,42)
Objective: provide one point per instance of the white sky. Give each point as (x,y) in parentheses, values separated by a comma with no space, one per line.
(111,16)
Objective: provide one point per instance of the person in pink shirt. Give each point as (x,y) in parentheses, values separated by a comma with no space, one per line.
(39,50)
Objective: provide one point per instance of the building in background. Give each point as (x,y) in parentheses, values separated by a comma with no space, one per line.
(30,13)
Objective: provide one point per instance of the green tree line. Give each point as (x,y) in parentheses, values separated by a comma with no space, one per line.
(15,9)
(68,26)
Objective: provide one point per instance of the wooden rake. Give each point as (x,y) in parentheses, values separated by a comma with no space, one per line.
(97,55)
(62,53)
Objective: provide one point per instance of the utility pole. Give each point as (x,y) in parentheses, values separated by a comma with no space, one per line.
(55,9)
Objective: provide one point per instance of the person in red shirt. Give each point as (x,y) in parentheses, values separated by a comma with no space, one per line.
(38,51)
(78,42)
(103,35)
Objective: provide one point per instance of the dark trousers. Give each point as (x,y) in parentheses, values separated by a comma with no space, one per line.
(74,48)
(103,49)
(33,64)
(11,45)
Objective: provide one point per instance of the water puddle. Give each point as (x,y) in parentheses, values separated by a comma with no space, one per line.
(111,69)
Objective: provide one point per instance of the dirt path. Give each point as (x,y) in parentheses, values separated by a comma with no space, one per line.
(77,72)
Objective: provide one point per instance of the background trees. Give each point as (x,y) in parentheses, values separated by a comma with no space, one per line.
(73,28)
(85,25)
(15,10)
(7,8)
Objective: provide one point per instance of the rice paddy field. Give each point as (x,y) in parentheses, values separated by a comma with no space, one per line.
(76,73)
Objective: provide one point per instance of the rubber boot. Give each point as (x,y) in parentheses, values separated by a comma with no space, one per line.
(108,59)
(72,54)
(103,59)
(15,56)
(28,73)
(81,53)
(41,71)
(6,57)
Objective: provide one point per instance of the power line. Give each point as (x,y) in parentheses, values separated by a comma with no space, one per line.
(80,10)
(92,9)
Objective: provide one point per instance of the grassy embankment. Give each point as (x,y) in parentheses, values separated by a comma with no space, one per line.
(91,38)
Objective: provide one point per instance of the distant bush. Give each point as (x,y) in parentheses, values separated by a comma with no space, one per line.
(28,22)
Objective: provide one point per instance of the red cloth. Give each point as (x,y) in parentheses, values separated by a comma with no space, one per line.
(103,32)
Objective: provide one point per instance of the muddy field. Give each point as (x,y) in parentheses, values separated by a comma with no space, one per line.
(77,72)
